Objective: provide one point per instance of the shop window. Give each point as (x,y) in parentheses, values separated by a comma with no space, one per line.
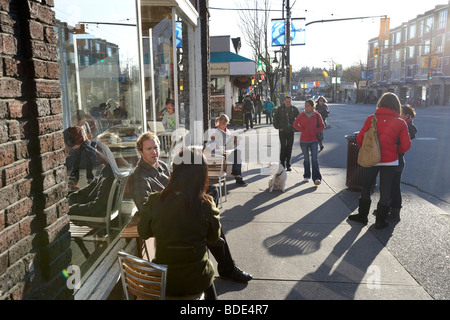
(162,66)
(100,84)
(217,85)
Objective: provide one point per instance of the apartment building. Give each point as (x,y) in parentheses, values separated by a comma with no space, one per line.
(414,62)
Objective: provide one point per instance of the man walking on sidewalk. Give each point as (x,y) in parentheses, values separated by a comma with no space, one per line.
(283,120)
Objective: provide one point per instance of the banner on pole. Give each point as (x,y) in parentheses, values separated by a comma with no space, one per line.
(384,29)
(297,32)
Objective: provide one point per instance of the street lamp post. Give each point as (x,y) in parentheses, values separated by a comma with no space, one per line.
(333,85)
(276,63)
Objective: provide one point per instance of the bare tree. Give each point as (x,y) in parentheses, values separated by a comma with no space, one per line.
(254,24)
(354,74)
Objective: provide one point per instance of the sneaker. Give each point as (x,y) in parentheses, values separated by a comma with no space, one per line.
(306,180)
(317,182)
(288,169)
(238,275)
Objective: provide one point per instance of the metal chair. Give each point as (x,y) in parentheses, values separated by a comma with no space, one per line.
(217,173)
(142,279)
(86,228)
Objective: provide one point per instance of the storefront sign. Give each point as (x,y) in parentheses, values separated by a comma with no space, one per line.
(220,69)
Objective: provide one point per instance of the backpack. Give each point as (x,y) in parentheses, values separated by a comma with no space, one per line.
(247,108)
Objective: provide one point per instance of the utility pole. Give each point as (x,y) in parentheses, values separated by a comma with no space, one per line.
(288,47)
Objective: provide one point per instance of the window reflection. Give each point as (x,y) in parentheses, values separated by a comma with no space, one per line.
(100,83)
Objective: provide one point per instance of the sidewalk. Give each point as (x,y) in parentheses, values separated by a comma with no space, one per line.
(300,245)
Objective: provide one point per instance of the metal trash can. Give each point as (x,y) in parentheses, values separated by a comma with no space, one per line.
(354,170)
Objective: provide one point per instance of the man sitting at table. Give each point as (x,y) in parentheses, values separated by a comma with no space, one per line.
(152,175)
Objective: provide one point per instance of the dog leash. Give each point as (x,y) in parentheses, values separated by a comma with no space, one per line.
(279,174)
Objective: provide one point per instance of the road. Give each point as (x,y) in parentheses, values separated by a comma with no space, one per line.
(426,170)
(420,241)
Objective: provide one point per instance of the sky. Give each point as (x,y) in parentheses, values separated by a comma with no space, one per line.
(344,42)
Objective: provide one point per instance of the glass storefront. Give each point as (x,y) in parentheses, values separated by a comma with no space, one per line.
(126,66)
(100,83)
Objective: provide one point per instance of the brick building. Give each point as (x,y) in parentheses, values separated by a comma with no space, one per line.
(34,226)
(414,62)
(50,71)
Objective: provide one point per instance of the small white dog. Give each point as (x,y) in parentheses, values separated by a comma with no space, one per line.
(278,180)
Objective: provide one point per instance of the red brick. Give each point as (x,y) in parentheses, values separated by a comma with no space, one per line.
(18,211)
(9,237)
(10,67)
(56,106)
(21,147)
(13,130)
(59,228)
(45,143)
(15,109)
(50,35)
(49,124)
(36,30)
(41,13)
(6,154)
(17,171)
(44,51)
(10,88)
(48,89)
(52,70)
(9,44)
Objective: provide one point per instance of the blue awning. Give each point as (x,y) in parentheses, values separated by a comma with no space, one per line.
(220,57)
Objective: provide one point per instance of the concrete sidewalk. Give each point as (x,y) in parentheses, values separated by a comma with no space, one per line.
(300,245)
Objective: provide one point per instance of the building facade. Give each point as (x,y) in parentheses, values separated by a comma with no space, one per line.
(230,76)
(111,66)
(414,62)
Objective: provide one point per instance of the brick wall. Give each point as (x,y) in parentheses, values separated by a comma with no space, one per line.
(34,226)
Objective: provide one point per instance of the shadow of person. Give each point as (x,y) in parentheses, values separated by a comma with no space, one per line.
(348,267)
(305,235)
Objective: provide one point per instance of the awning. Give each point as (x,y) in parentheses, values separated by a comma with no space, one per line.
(229,63)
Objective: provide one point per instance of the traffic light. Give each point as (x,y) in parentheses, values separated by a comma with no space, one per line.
(430,75)
(376,52)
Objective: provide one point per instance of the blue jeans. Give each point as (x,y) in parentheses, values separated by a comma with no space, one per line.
(257,117)
(311,149)
(269,117)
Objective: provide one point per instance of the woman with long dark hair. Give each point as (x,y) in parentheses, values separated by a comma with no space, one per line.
(182,218)
(391,129)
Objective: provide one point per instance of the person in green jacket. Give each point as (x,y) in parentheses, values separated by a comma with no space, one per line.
(183,218)
(268,107)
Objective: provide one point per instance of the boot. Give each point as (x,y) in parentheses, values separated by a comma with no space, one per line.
(394,215)
(363,211)
(382,213)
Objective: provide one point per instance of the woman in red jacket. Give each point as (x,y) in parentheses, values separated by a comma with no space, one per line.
(391,129)
(310,123)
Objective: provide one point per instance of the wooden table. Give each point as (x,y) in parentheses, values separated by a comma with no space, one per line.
(131,232)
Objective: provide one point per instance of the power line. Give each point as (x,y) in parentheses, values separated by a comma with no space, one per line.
(244,9)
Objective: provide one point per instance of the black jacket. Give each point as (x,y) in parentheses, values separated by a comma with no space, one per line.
(284,118)
(146,179)
(93,199)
